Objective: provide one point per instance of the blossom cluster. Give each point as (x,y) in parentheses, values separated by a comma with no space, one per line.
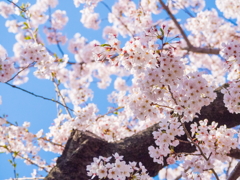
(38,12)
(208,29)
(164,87)
(103,167)
(193,93)
(165,140)
(89,18)
(7,69)
(212,146)
(47,65)
(195,5)
(208,63)
(21,143)
(128,19)
(232,97)
(58,20)
(230,52)
(6,9)
(109,127)
(214,142)
(230,8)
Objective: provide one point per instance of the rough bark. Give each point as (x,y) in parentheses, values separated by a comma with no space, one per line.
(83,146)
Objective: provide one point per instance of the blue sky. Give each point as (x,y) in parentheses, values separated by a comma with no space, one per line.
(20,106)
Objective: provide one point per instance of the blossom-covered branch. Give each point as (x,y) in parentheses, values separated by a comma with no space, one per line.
(85,145)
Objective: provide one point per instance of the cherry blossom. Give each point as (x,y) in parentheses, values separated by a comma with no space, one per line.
(119,169)
(154,80)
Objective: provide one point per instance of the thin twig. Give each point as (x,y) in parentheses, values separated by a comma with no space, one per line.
(13,163)
(180,140)
(110,112)
(33,163)
(29,160)
(155,104)
(43,138)
(56,144)
(189,47)
(188,12)
(58,45)
(55,31)
(24,10)
(178,177)
(21,71)
(60,95)
(117,18)
(57,106)
(229,166)
(176,23)
(53,100)
(169,88)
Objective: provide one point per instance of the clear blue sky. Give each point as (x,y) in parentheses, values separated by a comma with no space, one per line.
(20,106)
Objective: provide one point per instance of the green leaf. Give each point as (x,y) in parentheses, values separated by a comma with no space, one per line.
(27,37)
(15,153)
(26,24)
(172,149)
(22,6)
(103,45)
(162,31)
(60,111)
(22,15)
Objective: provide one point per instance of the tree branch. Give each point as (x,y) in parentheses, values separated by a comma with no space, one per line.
(22,9)
(235,173)
(83,146)
(30,65)
(234,153)
(24,90)
(189,47)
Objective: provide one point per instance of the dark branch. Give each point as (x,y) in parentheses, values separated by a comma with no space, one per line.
(22,9)
(189,47)
(235,173)
(83,146)
(234,153)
